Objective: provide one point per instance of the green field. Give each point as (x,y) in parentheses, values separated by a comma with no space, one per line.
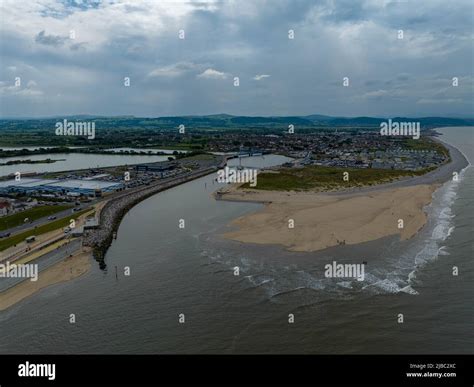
(323,178)
(14,220)
(15,239)
(201,156)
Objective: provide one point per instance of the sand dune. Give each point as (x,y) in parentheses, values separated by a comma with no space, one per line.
(322,220)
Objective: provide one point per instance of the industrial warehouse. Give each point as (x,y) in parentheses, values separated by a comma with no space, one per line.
(67,187)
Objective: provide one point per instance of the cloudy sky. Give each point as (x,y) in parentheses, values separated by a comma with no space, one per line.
(75,56)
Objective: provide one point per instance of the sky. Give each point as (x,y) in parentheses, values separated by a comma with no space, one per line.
(162,58)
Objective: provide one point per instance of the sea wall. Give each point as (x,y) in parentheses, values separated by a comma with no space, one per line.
(111,215)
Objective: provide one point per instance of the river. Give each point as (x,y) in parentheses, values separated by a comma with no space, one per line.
(190,271)
(70,161)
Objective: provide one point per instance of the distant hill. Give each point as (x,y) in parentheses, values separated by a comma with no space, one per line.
(219,121)
(271,121)
(319,118)
(424,121)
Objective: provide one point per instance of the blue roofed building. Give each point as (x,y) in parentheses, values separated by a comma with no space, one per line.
(76,186)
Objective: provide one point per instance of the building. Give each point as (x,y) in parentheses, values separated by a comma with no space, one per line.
(91,223)
(5,208)
(24,185)
(77,231)
(98,177)
(155,167)
(63,187)
(85,187)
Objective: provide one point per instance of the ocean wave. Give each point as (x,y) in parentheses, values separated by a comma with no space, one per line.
(383,286)
(451,229)
(408,289)
(442,250)
(440,232)
(439,228)
(345,284)
(309,281)
(280,293)
(257,280)
(446,213)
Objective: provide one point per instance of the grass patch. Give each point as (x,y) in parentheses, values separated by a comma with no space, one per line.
(201,156)
(54,225)
(326,178)
(14,220)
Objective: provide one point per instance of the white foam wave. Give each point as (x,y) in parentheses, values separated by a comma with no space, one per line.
(258,280)
(440,217)
(283,292)
(345,284)
(408,289)
(451,229)
(385,286)
(442,251)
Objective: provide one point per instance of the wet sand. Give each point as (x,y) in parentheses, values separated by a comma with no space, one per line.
(66,270)
(320,221)
(323,220)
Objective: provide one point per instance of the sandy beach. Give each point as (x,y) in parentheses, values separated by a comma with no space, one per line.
(351,216)
(322,220)
(66,270)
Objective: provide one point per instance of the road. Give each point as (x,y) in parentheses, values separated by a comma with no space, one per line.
(39,222)
(45,261)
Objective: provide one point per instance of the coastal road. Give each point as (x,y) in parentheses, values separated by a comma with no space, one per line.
(36,223)
(44,219)
(68,212)
(44,262)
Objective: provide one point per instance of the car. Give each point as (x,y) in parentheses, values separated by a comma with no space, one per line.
(76,209)
(51,217)
(5,235)
(67,230)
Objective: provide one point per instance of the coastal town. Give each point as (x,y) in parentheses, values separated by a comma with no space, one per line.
(46,214)
(354,149)
(218,177)
(44,220)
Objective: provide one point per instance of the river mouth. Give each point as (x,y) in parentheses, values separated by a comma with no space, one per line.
(190,271)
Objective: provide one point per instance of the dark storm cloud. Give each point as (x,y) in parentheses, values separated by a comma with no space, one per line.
(49,40)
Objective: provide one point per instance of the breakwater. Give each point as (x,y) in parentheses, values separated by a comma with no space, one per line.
(111,215)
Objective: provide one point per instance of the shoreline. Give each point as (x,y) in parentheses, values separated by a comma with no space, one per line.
(316,221)
(327,219)
(79,263)
(115,209)
(62,271)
